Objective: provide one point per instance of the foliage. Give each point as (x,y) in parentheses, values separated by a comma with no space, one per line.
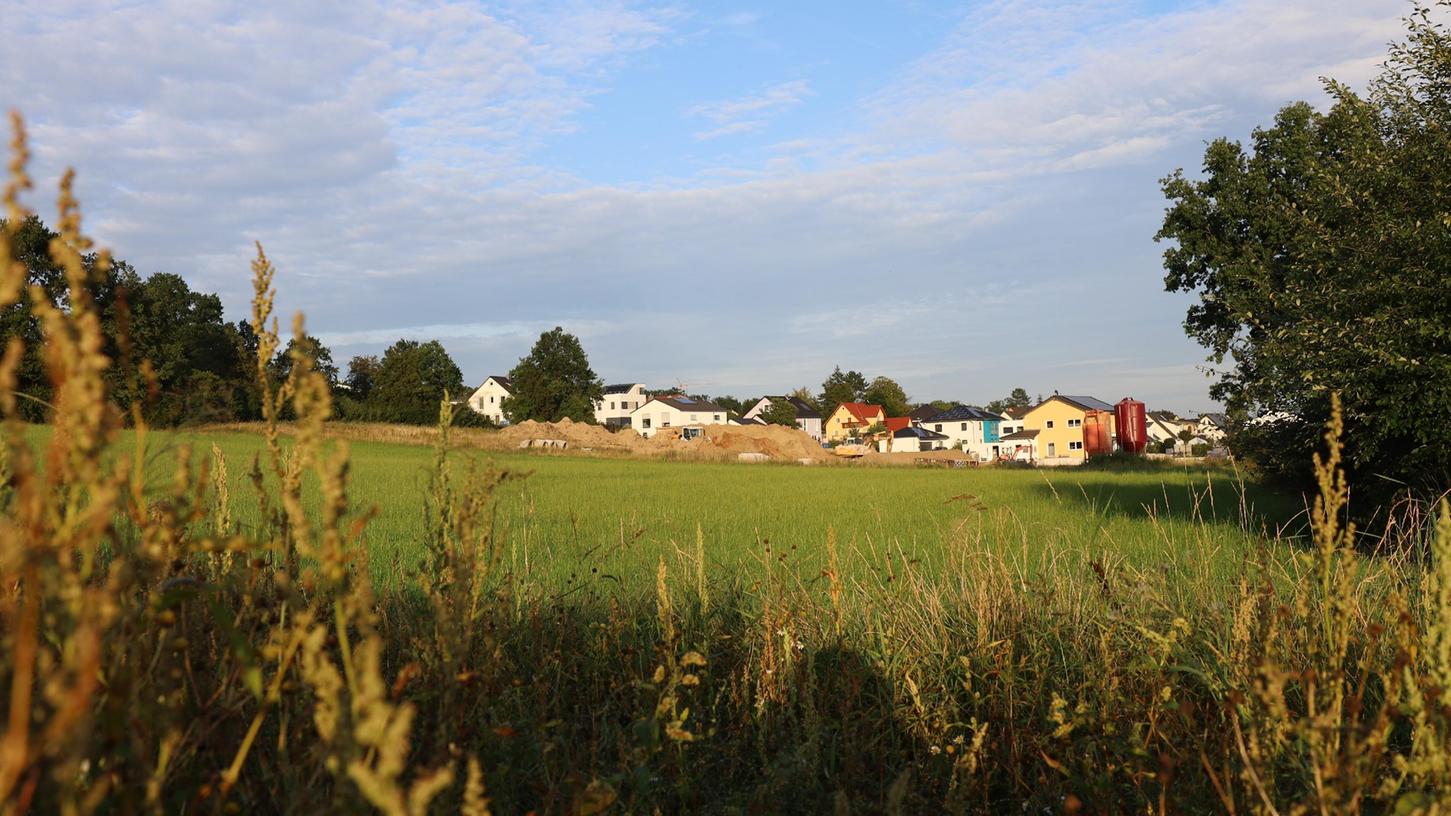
(362,376)
(411,379)
(841,387)
(1322,260)
(1018,398)
(780,412)
(553,382)
(885,391)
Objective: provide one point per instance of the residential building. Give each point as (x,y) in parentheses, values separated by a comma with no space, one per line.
(1013,418)
(675,411)
(1212,427)
(924,412)
(1019,446)
(488,399)
(970,428)
(850,419)
(1059,423)
(613,409)
(913,439)
(1164,426)
(808,419)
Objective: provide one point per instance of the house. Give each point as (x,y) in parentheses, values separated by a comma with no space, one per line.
(850,419)
(1212,427)
(1013,418)
(675,411)
(1019,446)
(808,419)
(612,410)
(1059,423)
(895,424)
(488,399)
(913,439)
(1163,426)
(972,429)
(924,412)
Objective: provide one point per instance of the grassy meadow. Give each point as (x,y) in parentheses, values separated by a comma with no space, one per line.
(580,523)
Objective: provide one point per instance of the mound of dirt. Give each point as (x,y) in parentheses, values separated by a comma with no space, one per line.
(577,434)
(776,441)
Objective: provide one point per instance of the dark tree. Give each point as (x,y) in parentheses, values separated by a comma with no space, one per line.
(362,376)
(781,412)
(885,392)
(841,387)
(412,380)
(1018,398)
(553,382)
(1321,255)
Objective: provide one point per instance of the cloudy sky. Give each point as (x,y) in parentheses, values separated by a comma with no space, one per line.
(732,196)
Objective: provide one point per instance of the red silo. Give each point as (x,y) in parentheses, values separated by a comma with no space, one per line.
(1133,433)
(1097,433)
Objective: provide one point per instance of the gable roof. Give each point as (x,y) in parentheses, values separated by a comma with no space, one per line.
(1020,436)
(924,412)
(862,411)
(683,403)
(803,408)
(501,380)
(621,388)
(1164,416)
(1017,411)
(898,423)
(917,431)
(1086,403)
(969,413)
(1219,420)
(755,420)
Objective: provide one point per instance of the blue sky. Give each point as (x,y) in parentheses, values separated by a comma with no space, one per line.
(732,196)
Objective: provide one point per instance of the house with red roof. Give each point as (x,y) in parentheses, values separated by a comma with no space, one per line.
(850,419)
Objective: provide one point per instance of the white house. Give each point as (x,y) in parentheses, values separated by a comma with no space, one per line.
(808,419)
(1020,446)
(1013,419)
(1164,426)
(674,412)
(489,398)
(972,429)
(1213,427)
(914,439)
(613,409)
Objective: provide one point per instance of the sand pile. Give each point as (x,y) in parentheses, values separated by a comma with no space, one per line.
(577,434)
(776,441)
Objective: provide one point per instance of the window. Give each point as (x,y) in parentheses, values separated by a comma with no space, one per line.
(491,400)
(937,428)
(964,426)
(1049,424)
(1051,450)
(716,417)
(692,417)
(1075,446)
(644,422)
(612,406)
(1075,423)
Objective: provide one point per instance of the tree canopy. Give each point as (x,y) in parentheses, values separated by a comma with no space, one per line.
(885,391)
(841,387)
(553,381)
(411,380)
(1321,255)
(779,412)
(1017,398)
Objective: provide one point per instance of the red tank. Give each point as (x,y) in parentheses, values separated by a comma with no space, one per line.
(1097,433)
(1133,432)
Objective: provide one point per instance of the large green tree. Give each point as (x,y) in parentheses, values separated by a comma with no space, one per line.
(553,382)
(841,387)
(1321,257)
(885,391)
(1017,398)
(412,380)
(780,412)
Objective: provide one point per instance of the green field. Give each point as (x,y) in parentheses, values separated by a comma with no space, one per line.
(572,522)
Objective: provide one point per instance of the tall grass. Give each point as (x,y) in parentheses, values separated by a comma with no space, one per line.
(161,657)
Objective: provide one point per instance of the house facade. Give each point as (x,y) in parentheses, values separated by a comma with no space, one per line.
(913,439)
(613,409)
(1013,419)
(1212,427)
(488,399)
(808,419)
(850,419)
(1019,446)
(972,429)
(675,411)
(1059,423)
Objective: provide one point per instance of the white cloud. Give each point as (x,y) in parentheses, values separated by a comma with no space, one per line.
(751,113)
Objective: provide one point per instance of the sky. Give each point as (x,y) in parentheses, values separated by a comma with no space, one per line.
(729,197)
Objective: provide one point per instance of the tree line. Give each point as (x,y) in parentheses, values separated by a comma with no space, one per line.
(181,362)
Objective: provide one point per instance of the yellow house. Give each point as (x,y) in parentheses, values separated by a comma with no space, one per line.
(1059,423)
(850,419)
